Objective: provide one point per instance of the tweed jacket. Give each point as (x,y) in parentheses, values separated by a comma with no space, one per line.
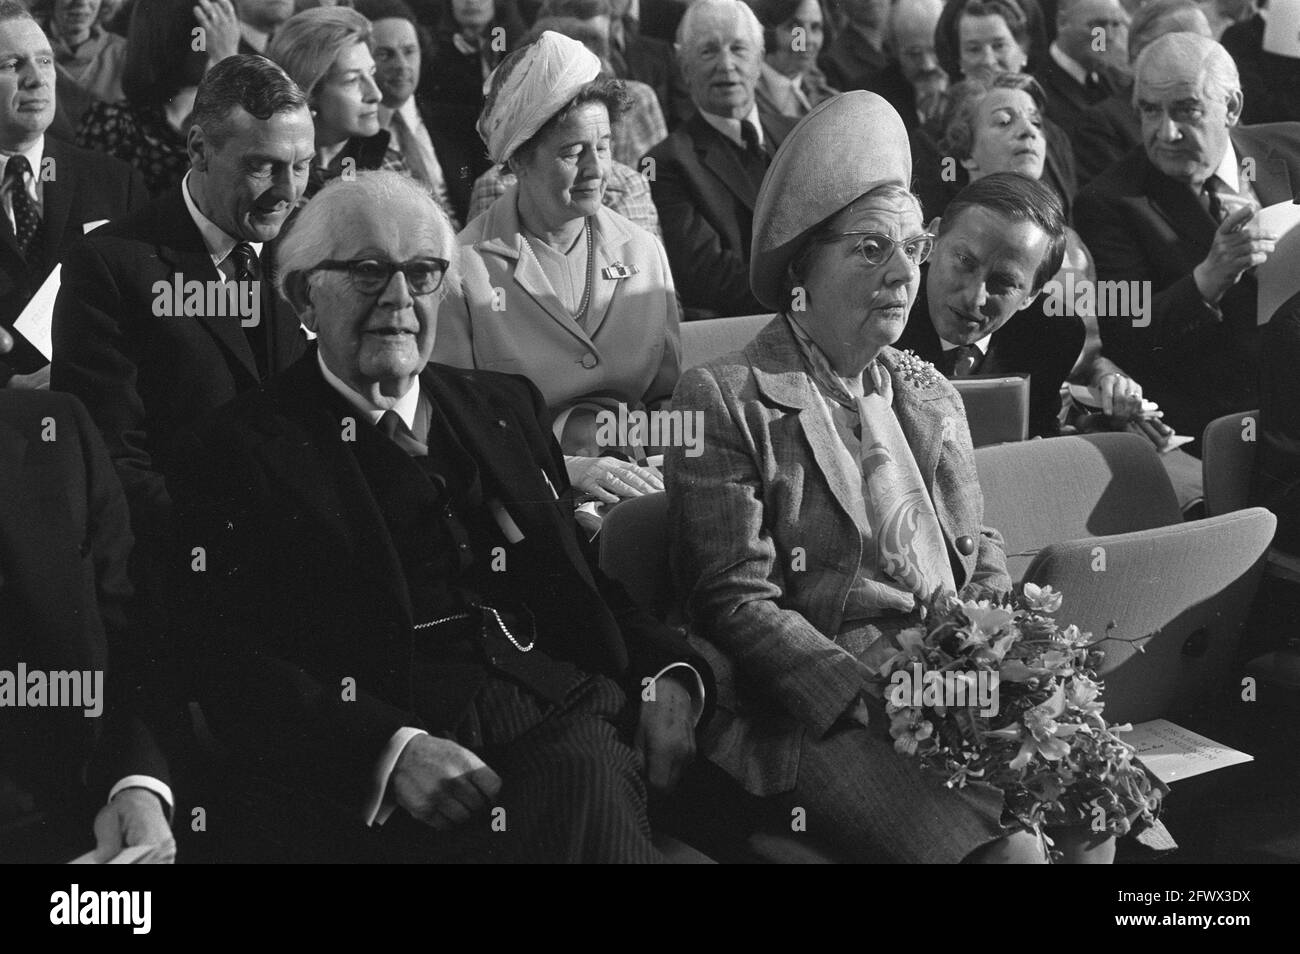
(764,547)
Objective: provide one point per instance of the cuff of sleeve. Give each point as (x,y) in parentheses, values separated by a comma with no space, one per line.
(694,683)
(378,809)
(149,783)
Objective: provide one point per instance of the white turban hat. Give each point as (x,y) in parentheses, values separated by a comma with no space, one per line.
(530,86)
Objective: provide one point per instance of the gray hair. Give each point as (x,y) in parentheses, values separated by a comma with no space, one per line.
(312,237)
(701,10)
(1214,64)
(961,108)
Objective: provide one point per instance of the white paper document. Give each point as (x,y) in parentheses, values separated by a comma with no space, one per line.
(1278,277)
(38,317)
(1173,753)
(127,856)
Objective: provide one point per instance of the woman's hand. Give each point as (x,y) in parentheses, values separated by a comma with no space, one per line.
(220,28)
(609,480)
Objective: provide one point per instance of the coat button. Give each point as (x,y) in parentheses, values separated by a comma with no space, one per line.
(965,546)
(588,361)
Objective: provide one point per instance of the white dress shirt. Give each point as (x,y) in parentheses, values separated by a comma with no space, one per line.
(982,344)
(731,127)
(218,243)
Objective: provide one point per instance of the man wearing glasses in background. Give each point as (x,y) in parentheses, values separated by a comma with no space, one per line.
(397,624)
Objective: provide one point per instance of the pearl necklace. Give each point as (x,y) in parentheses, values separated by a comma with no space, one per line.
(586,289)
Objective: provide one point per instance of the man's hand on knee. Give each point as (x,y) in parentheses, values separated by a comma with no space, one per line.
(665,734)
(441,783)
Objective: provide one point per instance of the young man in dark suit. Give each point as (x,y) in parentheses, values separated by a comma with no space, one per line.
(88,773)
(396,620)
(1180,214)
(51,191)
(705,176)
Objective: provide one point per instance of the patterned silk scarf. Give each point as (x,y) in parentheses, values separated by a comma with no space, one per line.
(909,542)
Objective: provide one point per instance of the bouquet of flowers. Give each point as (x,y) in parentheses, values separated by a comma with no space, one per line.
(995,691)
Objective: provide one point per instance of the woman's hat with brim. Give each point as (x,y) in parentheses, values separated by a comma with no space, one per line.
(847,146)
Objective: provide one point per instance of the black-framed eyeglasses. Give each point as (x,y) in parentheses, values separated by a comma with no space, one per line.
(876,248)
(371,276)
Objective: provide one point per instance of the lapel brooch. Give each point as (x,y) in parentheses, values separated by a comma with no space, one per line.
(619,270)
(915,370)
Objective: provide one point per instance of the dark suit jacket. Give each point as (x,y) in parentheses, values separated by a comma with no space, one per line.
(1142,225)
(463,158)
(1105,133)
(85,186)
(143,376)
(849,62)
(1067,98)
(1029,343)
(706,209)
(269,488)
(64,541)
(1270,83)
(1277,466)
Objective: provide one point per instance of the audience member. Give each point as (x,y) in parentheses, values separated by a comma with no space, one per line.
(555,286)
(914,82)
(1270,82)
(73,775)
(501,674)
(1177,219)
(1277,462)
(258,22)
(92,57)
(791,83)
(160,78)
(855,57)
(705,177)
(1109,130)
(51,192)
(1087,60)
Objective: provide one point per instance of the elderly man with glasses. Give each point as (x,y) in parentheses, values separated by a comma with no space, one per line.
(396,621)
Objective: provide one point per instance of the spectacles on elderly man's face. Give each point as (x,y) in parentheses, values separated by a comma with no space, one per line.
(371,276)
(877,248)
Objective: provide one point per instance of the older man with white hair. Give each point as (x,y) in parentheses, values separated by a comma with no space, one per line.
(705,176)
(397,621)
(1181,214)
(914,82)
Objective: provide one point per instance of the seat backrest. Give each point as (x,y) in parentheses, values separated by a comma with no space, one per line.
(1063,488)
(1228,461)
(997,407)
(1180,592)
(634,550)
(710,338)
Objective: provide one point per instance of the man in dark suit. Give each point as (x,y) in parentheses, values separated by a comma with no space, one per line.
(51,191)
(914,81)
(979,310)
(1108,130)
(396,612)
(258,20)
(1077,73)
(705,176)
(855,57)
(64,540)
(1269,81)
(1179,215)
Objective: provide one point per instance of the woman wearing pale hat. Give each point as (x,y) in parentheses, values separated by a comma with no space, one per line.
(835,494)
(557,287)
(325,50)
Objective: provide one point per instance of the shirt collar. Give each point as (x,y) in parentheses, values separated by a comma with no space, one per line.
(1228,172)
(218,243)
(731,127)
(778,79)
(35,156)
(405,407)
(410,115)
(982,344)
(254,37)
(1069,64)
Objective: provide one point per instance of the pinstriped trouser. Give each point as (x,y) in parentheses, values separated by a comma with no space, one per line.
(572,789)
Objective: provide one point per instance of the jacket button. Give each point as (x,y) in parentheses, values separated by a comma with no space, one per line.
(965,546)
(588,361)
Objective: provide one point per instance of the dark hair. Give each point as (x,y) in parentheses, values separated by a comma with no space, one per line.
(962,102)
(14,10)
(1008,10)
(772,13)
(1020,199)
(248,81)
(160,58)
(577,9)
(374,10)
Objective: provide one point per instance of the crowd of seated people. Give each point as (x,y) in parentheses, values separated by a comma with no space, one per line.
(339,304)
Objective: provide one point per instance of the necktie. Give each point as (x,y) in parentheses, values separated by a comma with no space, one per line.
(965,360)
(395,429)
(247,266)
(1213,204)
(27,221)
(420,156)
(748,133)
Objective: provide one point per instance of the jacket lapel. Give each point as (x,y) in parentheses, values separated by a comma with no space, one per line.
(1176,204)
(59,194)
(1272,177)
(609,237)
(719,156)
